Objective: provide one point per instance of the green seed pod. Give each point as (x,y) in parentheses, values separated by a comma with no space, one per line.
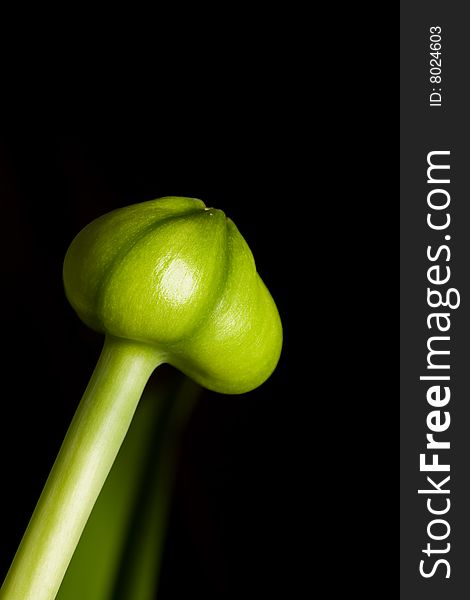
(178,276)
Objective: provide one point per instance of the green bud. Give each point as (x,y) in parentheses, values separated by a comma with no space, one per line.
(178,276)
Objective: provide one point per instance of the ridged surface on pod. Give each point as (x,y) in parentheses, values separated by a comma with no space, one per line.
(179,276)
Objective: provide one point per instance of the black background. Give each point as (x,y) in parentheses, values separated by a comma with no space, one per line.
(424,129)
(235,526)
(287,489)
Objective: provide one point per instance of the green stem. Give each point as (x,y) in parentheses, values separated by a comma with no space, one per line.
(80,470)
(104,537)
(141,562)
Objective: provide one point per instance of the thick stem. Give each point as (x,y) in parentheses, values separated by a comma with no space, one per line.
(80,470)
